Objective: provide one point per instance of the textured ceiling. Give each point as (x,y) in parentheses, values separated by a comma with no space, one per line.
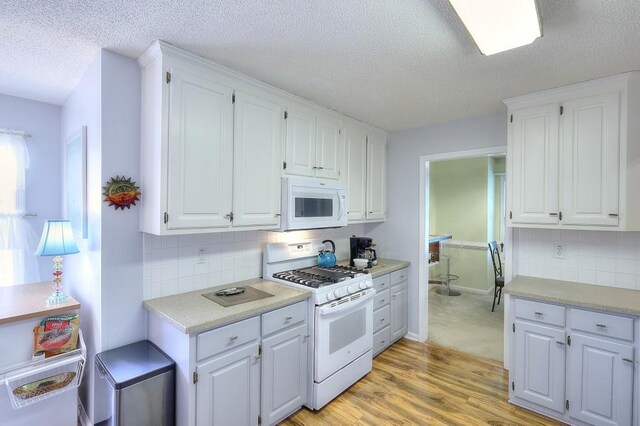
(396,64)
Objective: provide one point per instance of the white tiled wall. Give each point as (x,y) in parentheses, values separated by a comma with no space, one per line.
(178,264)
(593,257)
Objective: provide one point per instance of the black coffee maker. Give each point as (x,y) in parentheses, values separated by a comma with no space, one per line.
(362,248)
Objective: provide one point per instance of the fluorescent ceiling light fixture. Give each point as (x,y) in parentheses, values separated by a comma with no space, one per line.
(499,25)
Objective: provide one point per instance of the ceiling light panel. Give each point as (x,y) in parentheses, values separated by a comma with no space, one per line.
(499,25)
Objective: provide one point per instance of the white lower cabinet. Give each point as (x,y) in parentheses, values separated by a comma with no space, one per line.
(540,365)
(390,315)
(228,388)
(251,372)
(601,377)
(284,388)
(573,364)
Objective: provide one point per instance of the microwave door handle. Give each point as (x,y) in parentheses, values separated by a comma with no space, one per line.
(328,311)
(341,199)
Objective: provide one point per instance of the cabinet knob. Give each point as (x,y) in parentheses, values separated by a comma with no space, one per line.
(288,319)
(314,168)
(382,301)
(601,326)
(233,338)
(277,215)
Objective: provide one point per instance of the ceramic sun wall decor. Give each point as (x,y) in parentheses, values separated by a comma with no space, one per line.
(120,192)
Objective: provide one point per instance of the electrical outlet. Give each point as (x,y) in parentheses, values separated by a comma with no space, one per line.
(202,256)
(559,250)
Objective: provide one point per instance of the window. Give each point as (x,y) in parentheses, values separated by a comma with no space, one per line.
(17,239)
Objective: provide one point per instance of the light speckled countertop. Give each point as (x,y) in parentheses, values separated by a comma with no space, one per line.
(384,266)
(192,312)
(602,298)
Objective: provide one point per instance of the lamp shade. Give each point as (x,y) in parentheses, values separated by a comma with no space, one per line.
(57,239)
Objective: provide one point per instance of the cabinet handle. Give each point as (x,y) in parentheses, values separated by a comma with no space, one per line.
(601,325)
(553,214)
(382,342)
(613,214)
(320,168)
(382,320)
(233,338)
(305,337)
(277,215)
(288,319)
(370,212)
(538,314)
(382,301)
(628,360)
(560,343)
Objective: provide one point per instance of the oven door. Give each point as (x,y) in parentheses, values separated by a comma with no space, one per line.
(343,332)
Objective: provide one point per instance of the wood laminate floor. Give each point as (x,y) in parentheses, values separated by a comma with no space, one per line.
(424,384)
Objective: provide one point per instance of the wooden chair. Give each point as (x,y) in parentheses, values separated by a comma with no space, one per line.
(497,272)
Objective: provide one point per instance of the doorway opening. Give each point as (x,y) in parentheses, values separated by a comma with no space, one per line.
(464,209)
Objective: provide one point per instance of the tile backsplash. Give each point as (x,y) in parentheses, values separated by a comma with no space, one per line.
(178,264)
(594,257)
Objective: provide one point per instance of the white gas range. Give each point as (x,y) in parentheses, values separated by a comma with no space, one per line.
(340,318)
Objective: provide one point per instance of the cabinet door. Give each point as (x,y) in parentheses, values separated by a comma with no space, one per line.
(600,381)
(257,161)
(376,177)
(284,373)
(590,160)
(200,150)
(399,311)
(540,365)
(356,171)
(328,147)
(228,388)
(533,165)
(300,145)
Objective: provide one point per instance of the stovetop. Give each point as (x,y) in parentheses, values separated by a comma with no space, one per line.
(318,276)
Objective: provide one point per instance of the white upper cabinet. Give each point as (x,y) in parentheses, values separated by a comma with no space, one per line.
(328,147)
(313,145)
(300,147)
(215,144)
(573,156)
(376,177)
(534,165)
(355,141)
(590,160)
(200,149)
(256,160)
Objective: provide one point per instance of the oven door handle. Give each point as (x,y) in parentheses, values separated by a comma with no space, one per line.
(325,311)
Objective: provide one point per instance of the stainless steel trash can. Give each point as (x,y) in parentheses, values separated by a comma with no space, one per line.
(142,382)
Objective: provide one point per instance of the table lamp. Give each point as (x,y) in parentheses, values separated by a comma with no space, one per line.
(57,240)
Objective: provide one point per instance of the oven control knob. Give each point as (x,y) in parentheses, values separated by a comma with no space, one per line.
(352,289)
(340,292)
(331,295)
(369,284)
(363,285)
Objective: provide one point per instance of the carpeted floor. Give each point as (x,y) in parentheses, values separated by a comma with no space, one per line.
(466,323)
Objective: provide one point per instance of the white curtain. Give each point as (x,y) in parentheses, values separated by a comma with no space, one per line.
(18,264)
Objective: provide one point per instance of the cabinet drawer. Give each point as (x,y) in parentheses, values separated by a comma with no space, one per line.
(542,312)
(230,336)
(381,318)
(381,298)
(602,324)
(399,276)
(381,340)
(381,283)
(283,317)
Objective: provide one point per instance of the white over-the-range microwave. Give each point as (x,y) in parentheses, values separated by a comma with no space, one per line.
(309,203)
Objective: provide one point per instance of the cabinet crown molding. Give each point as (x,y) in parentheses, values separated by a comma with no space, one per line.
(559,94)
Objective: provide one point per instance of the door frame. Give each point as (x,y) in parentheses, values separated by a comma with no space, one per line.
(423,272)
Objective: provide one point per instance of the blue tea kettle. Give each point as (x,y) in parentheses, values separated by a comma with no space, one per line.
(326,258)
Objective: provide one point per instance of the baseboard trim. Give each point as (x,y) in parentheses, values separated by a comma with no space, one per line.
(412,336)
(468,289)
